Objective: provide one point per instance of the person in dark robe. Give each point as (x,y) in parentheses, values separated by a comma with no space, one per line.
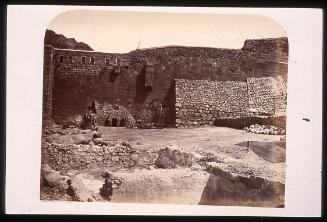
(160,116)
(91,119)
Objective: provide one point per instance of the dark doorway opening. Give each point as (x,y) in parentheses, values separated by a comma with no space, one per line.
(122,122)
(107,123)
(114,122)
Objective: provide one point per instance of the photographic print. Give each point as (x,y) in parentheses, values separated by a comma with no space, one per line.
(166,108)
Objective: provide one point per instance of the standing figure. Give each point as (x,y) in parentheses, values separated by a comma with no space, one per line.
(161,116)
(91,119)
(94,121)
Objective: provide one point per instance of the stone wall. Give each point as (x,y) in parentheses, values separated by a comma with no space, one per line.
(267,96)
(139,77)
(260,96)
(47,85)
(78,83)
(170,109)
(271,49)
(200,102)
(279,89)
(79,156)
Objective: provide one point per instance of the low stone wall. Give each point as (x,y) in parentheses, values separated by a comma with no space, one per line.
(73,156)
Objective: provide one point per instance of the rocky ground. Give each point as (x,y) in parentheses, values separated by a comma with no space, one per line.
(209,165)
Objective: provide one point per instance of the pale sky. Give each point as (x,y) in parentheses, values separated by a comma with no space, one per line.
(120,32)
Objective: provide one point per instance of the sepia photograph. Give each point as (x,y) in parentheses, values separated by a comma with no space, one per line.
(165,108)
(163,111)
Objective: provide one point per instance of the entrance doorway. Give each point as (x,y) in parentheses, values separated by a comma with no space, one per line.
(114,122)
(122,122)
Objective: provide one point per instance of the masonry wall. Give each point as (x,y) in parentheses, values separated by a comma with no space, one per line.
(142,76)
(47,85)
(78,83)
(202,102)
(267,96)
(77,157)
(260,96)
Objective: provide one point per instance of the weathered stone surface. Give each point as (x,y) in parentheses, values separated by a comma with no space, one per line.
(53,178)
(171,158)
(229,99)
(104,153)
(126,144)
(46,169)
(226,188)
(80,139)
(82,192)
(178,105)
(98,141)
(74,120)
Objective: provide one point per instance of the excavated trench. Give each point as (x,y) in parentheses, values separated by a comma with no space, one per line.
(187,179)
(228,189)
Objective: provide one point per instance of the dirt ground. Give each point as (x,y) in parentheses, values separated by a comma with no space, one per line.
(265,157)
(191,139)
(221,141)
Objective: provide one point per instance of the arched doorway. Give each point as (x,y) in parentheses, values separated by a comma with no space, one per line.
(114,122)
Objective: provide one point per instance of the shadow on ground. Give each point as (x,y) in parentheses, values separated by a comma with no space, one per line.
(273,152)
(226,189)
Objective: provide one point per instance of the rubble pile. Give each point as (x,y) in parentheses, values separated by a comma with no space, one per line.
(171,158)
(265,129)
(76,187)
(73,121)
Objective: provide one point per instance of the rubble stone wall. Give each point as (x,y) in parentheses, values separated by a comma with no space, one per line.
(260,96)
(200,102)
(267,96)
(72,156)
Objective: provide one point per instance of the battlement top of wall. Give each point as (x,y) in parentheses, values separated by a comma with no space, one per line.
(84,51)
(274,49)
(248,44)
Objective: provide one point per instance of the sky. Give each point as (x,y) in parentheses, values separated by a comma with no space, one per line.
(121,32)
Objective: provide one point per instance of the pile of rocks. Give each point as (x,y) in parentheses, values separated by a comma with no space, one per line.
(169,158)
(73,121)
(72,186)
(265,129)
